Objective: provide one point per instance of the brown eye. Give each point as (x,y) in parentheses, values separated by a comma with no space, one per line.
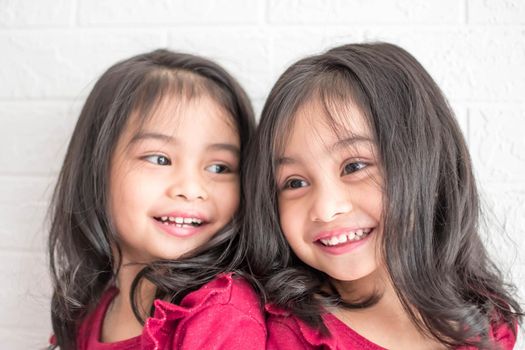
(158,160)
(218,169)
(353,167)
(295,183)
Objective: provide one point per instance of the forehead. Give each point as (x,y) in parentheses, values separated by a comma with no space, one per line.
(327,122)
(178,115)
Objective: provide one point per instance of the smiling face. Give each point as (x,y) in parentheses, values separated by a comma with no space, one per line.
(330,196)
(174,182)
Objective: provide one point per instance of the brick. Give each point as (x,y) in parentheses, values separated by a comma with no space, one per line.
(302,11)
(496,11)
(64,64)
(25,304)
(29,13)
(296,43)
(168,12)
(469,64)
(25,188)
(22,226)
(497,143)
(243,53)
(23,206)
(34,136)
(21,339)
(356,11)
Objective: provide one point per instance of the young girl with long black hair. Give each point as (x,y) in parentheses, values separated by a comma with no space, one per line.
(144,215)
(363,212)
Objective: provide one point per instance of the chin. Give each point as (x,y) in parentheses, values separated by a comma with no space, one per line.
(352,276)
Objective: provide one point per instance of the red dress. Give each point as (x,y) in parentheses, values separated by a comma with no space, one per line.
(223,314)
(286,331)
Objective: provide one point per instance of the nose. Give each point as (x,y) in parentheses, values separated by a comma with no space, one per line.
(190,187)
(330,200)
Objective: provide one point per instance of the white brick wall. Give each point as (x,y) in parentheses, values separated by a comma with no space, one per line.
(53,51)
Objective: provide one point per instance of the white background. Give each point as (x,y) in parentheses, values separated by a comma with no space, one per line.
(52,51)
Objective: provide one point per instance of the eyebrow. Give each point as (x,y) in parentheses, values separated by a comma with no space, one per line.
(170,139)
(225,147)
(151,135)
(336,146)
(350,141)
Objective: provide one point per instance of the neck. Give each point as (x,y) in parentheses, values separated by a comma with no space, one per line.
(363,288)
(125,278)
(120,322)
(386,323)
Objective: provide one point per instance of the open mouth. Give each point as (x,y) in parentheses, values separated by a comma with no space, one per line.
(180,221)
(345,237)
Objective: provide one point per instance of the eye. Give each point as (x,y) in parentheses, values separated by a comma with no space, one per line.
(218,169)
(158,160)
(352,167)
(293,184)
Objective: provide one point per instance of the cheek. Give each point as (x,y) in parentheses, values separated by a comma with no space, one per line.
(290,219)
(373,195)
(132,194)
(374,205)
(227,199)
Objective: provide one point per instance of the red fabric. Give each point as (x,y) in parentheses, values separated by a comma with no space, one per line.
(223,314)
(286,331)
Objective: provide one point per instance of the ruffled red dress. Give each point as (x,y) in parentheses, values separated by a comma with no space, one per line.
(286,331)
(223,314)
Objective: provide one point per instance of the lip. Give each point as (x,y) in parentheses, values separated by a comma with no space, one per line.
(185,231)
(174,230)
(344,247)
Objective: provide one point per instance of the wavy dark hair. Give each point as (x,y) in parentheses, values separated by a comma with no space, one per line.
(431,245)
(82,235)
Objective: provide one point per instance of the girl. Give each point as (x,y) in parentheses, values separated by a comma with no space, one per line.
(363,209)
(145,209)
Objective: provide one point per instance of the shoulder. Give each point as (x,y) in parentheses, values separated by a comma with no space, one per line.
(504,335)
(287,331)
(208,316)
(501,334)
(227,292)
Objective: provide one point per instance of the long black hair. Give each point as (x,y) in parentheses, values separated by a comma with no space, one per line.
(431,245)
(82,235)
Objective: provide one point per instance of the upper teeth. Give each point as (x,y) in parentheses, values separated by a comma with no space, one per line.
(346,236)
(180,220)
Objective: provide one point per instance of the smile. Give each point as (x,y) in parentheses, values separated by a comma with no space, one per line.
(179,221)
(345,237)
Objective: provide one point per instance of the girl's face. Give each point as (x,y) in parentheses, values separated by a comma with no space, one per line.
(330,197)
(174,182)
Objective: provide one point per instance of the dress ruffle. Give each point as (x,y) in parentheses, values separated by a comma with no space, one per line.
(159,329)
(500,332)
(316,339)
(312,336)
